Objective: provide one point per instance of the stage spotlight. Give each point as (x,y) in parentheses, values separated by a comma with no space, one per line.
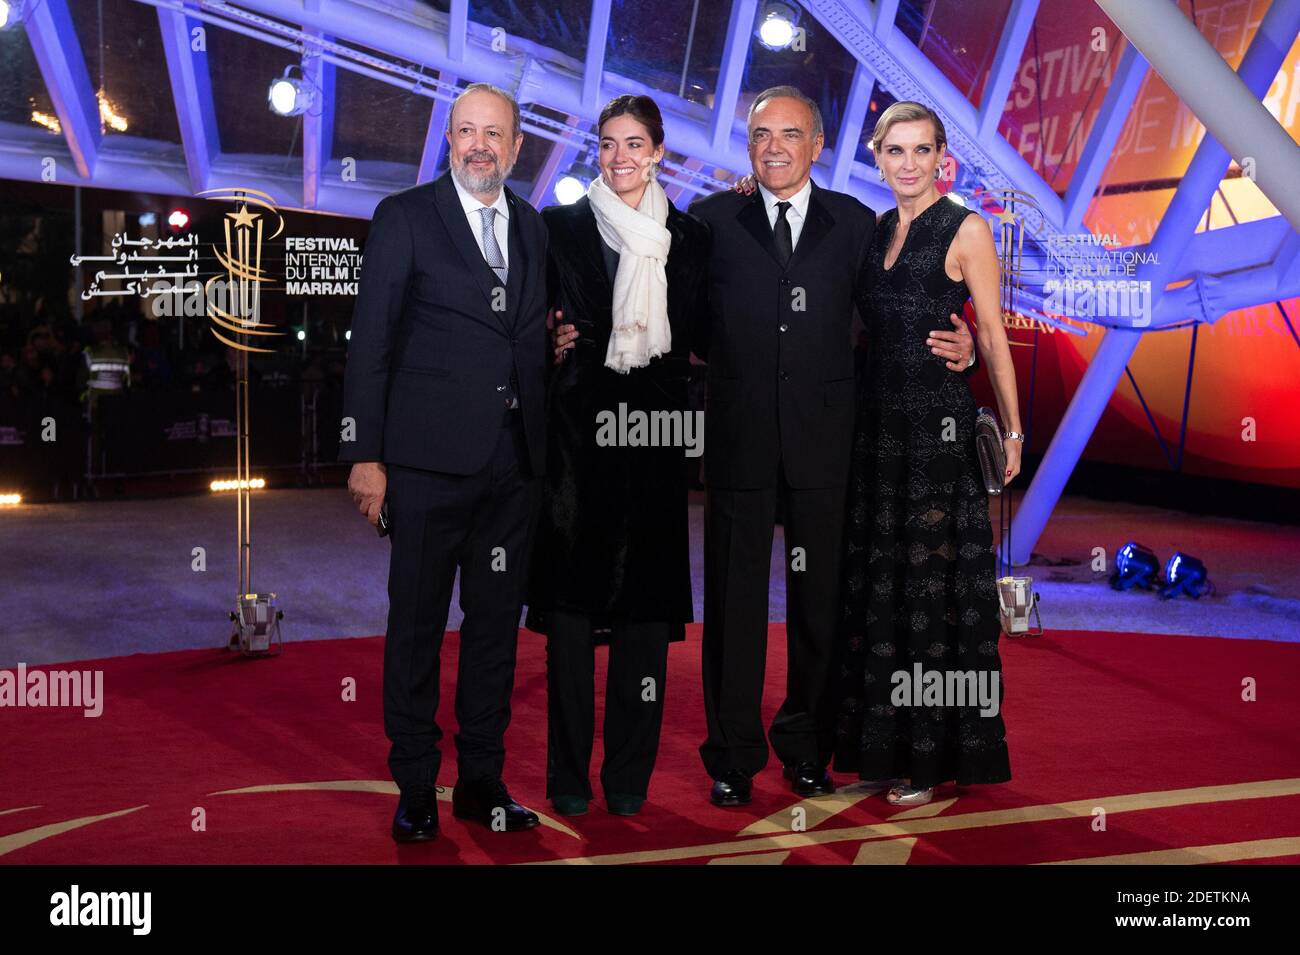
(11,13)
(289,95)
(572,186)
(1135,566)
(1184,574)
(147,219)
(348,334)
(776,25)
(569,189)
(178,220)
(302,335)
(10,500)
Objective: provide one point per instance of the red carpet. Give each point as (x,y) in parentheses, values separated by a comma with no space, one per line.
(1151,729)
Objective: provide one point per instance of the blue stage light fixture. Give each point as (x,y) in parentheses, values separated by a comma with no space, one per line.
(572,186)
(777,25)
(290,95)
(1184,574)
(1135,566)
(11,13)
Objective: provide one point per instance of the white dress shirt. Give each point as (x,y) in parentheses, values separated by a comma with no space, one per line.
(795,215)
(500,225)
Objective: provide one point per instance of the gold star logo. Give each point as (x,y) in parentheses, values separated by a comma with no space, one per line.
(243,218)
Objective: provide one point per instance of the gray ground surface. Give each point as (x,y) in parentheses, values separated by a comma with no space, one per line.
(105,578)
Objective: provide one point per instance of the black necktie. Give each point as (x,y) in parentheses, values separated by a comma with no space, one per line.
(781,232)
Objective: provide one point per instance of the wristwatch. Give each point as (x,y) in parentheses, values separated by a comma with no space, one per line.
(1015,434)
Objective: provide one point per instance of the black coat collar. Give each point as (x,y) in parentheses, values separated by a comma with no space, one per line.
(449,208)
(818,222)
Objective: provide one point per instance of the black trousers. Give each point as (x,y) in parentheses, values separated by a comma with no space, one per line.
(634,705)
(738,531)
(481,524)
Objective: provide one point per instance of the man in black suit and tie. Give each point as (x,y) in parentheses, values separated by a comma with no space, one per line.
(444,419)
(784,267)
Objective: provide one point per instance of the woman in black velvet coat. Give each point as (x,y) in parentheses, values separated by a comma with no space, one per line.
(612,558)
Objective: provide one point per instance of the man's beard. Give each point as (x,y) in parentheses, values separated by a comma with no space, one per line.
(479,183)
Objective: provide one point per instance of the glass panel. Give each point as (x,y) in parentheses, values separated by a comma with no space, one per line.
(959,37)
(536,151)
(654,43)
(559,24)
(22,90)
(880,101)
(1064,72)
(122,44)
(374,120)
(242,69)
(823,70)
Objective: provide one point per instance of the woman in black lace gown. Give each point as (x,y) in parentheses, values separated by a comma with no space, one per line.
(920,594)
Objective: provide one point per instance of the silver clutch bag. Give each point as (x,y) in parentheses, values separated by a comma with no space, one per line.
(989,448)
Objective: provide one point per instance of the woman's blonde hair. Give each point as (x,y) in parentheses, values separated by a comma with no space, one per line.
(907,111)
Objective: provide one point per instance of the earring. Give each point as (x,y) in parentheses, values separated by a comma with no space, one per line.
(880,172)
(937,174)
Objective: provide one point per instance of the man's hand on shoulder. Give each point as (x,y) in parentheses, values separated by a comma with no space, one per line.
(956,346)
(368,483)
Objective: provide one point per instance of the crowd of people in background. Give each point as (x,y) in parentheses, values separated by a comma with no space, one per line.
(58,368)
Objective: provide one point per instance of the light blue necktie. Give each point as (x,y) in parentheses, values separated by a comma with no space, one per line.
(491,249)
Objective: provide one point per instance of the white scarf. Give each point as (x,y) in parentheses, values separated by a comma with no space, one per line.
(640,322)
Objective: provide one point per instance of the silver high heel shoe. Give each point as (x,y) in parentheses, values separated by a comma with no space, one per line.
(874,787)
(906,795)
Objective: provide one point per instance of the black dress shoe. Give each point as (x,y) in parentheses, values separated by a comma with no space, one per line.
(809,779)
(489,802)
(733,789)
(416,819)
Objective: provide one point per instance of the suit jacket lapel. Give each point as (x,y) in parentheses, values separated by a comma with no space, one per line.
(447,204)
(518,260)
(816,225)
(753,216)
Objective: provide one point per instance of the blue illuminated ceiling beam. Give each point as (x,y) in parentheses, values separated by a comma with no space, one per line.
(377,39)
(1011,45)
(317,126)
(886,13)
(191,86)
(1234,115)
(558,160)
(1160,36)
(535,73)
(595,65)
(457,29)
(850,133)
(54,43)
(1288,259)
(908,74)
(435,139)
(675,190)
(1125,84)
(1211,296)
(22,148)
(735,53)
